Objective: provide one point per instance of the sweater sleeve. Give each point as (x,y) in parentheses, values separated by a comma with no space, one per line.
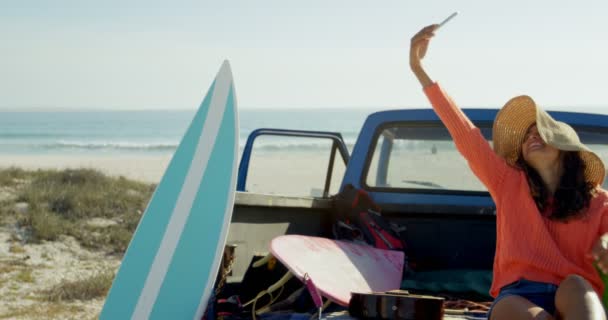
(483,161)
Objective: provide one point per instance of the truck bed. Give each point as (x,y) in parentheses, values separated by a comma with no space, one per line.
(456,235)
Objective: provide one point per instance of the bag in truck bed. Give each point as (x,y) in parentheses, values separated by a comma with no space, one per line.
(358,219)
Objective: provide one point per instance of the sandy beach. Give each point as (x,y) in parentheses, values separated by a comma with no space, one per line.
(290,174)
(148,168)
(29,269)
(295,173)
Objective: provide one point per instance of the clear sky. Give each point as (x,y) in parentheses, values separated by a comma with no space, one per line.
(139,54)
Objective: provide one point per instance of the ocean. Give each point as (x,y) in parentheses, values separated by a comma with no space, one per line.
(157,132)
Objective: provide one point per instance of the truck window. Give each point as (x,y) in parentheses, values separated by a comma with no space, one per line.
(292,166)
(419,156)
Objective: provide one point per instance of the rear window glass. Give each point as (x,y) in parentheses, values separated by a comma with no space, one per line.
(425,157)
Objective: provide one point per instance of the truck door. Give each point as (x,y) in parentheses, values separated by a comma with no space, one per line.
(292,163)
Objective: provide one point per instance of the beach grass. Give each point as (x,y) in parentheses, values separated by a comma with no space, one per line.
(46,311)
(100,211)
(25,275)
(12,176)
(95,286)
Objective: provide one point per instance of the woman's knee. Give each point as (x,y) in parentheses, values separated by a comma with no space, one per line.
(573,286)
(574,282)
(574,293)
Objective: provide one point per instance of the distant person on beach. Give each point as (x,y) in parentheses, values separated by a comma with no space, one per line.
(551,212)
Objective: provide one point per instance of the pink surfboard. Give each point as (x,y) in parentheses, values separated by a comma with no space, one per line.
(339,268)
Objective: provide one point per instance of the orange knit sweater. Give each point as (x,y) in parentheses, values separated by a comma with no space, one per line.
(528,245)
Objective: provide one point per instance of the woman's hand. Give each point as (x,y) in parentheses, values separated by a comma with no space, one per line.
(600,253)
(418,47)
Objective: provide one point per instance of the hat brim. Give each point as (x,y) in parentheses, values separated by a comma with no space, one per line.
(512,123)
(510,127)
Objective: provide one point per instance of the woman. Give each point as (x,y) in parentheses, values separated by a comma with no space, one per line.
(551,212)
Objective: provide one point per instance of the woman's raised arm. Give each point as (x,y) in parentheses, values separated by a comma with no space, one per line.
(483,161)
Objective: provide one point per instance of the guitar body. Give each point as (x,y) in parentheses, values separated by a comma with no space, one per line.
(395,305)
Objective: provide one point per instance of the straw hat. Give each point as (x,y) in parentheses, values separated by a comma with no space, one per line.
(512,123)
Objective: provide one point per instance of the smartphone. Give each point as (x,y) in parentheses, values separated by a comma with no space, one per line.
(447,19)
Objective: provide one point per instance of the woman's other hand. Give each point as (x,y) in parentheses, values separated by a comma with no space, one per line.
(600,253)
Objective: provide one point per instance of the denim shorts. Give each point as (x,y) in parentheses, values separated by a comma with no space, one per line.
(540,293)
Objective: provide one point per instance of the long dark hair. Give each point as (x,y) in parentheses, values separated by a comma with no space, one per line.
(573,194)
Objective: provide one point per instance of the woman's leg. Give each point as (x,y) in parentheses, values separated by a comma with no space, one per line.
(518,308)
(576,299)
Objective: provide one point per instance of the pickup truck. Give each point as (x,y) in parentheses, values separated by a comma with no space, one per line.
(407,162)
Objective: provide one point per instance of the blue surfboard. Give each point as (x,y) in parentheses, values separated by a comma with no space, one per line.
(171,264)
